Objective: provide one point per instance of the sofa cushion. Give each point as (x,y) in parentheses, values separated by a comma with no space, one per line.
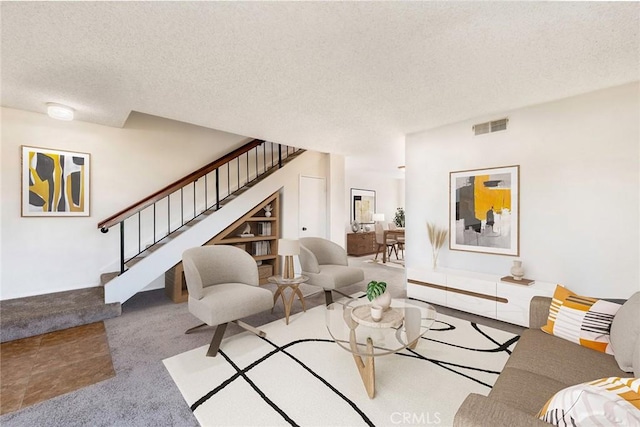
(605,401)
(625,332)
(524,390)
(561,360)
(581,320)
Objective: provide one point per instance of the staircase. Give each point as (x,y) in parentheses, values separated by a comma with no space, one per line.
(36,315)
(155,231)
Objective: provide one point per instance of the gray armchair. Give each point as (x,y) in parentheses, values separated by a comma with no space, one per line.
(325,263)
(223,287)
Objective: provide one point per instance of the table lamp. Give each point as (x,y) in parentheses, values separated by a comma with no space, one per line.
(288,248)
(378,217)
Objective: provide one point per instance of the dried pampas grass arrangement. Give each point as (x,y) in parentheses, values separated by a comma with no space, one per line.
(437,237)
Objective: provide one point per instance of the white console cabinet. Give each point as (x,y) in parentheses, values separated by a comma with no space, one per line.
(482,294)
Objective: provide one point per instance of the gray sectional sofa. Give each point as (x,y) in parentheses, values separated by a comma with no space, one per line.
(542,365)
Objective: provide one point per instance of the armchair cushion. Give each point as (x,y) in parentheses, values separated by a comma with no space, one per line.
(335,276)
(230,301)
(326,265)
(211,265)
(308,261)
(325,251)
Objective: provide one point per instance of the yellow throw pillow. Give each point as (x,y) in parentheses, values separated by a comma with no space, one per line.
(581,320)
(607,401)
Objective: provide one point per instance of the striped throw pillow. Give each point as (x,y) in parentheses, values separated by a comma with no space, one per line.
(607,401)
(582,320)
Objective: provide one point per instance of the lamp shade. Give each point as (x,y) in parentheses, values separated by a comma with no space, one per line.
(288,247)
(378,217)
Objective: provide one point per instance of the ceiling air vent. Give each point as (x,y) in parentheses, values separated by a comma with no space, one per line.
(489,127)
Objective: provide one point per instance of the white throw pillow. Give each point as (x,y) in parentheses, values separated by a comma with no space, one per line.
(604,402)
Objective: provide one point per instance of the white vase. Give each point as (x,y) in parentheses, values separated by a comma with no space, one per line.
(383,300)
(517,271)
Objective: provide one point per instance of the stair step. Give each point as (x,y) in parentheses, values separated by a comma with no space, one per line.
(36,315)
(107,277)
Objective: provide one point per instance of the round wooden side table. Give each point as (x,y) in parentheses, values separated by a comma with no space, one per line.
(291,284)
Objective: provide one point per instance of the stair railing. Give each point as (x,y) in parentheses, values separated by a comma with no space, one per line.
(166,212)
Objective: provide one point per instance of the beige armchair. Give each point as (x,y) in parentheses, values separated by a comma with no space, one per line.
(223,287)
(325,263)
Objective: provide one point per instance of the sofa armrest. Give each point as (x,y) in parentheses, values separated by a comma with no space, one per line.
(478,410)
(539,312)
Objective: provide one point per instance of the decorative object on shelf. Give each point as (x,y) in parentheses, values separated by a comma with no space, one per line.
(517,271)
(363,205)
(524,282)
(437,237)
(247,232)
(288,248)
(367,227)
(399,218)
(484,210)
(355,226)
(267,210)
(55,182)
(378,295)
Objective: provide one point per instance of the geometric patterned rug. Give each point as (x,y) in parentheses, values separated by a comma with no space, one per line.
(298,376)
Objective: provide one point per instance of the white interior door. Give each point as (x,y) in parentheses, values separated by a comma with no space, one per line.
(313,207)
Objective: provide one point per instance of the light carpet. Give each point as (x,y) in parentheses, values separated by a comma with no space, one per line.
(390,263)
(298,376)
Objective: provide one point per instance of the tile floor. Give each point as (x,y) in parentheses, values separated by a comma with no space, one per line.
(45,366)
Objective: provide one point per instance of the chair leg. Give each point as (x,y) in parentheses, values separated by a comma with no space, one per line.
(188,331)
(250,328)
(328,297)
(378,251)
(217,339)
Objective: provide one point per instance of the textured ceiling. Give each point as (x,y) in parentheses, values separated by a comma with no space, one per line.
(345,77)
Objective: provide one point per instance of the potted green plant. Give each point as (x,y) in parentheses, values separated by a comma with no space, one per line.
(378,295)
(399,218)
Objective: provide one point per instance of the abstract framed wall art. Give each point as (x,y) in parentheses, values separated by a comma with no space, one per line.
(363,205)
(484,210)
(54,182)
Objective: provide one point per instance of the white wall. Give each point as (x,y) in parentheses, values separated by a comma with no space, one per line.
(338,209)
(389,192)
(43,255)
(579,190)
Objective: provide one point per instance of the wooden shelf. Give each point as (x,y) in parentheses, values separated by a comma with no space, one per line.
(175,286)
(233,240)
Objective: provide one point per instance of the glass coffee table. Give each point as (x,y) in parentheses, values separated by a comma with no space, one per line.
(402,325)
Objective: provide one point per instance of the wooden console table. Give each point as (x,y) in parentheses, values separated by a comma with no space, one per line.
(359,244)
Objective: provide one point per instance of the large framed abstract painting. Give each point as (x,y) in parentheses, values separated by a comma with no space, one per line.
(363,205)
(54,182)
(484,210)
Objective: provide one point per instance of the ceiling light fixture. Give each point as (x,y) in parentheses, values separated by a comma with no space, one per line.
(59,111)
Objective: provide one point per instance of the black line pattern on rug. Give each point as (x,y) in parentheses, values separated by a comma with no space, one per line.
(449,366)
(277,349)
(446,365)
